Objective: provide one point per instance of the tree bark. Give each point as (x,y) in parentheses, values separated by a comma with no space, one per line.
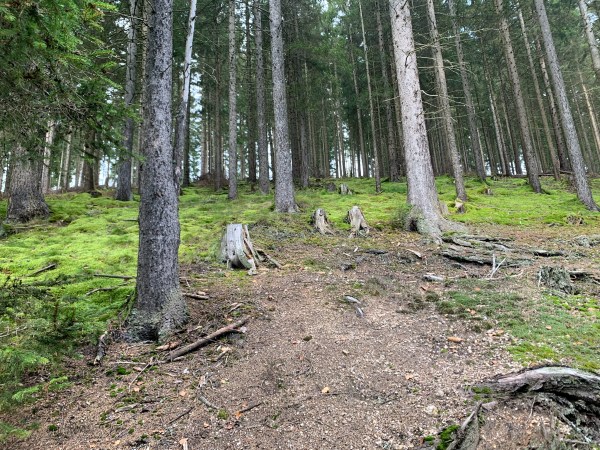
(528,152)
(591,38)
(232,104)
(440,78)
(25,201)
(284,185)
(426,216)
(261,127)
(584,192)
(375,150)
(124,192)
(49,141)
(159,307)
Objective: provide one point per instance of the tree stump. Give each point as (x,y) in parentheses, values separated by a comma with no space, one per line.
(358,224)
(237,250)
(321,222)
(330,187)
(344,189)
(557,278)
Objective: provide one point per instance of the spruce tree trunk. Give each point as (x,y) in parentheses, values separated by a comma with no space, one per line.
(471,116)
(159,308)
(591,38)
(528,152)
(361,138)
(261,126)
(250,119)
(284,185)
(592,115)
(25,198)
(584,192)
(440,77)
(232,104)
(376,170)
(181,119)
(124,192)
(89,179)
(426,216)
(49,141)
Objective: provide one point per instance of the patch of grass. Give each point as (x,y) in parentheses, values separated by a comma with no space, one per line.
(8,431)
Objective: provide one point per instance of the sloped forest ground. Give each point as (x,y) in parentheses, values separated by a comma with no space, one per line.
(310,370)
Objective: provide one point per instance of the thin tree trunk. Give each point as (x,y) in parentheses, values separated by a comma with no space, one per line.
(361,138)
(232,104)
(376,171)
(159,308)
(123,191)
(592,114)
(440,78)
(589,33)
(89,161)
(250,120)
(218,139)
(66,164)
(528,152)
(584,192)
(261,127)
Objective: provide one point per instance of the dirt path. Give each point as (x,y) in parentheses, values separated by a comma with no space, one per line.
(313,374)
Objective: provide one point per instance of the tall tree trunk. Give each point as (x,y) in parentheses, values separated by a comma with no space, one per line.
(391,145)
(584,192)
(471,116)
(65,167)
(232,104)
(589,33)
(528,152)
(181,118)
(284,185)
(89,162)
(218,139)
(426,216)
(376,170)
(25,201)
(592,114)
(361,138)
(261,126)
(185,182)
(124,192)
(250,111)
(159,308)
(45,167)
(442,87)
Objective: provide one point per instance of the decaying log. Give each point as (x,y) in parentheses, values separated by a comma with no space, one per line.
(483,259)
(207,339)
(320,222)
(345,190)
(237,249)
(358,224)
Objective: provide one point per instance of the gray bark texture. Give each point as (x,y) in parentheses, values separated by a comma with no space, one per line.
(589,33)
(181,119)
(123,192)
(159,308)
(528,152)
(261,128)
(232,104)
(442,88)
(425,216)
(284,185)
(25,198)
(471,116)
(584,192)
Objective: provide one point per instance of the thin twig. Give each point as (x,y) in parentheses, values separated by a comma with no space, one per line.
(120,277)
(43,269)
(250,407)
(207,403)
(150,364)
(185,413)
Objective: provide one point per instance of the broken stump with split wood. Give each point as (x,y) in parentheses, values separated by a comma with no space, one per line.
(237,250)
(320,222)
(344,189)
(358,224)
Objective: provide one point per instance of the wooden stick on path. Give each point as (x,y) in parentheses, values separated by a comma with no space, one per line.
(207,339)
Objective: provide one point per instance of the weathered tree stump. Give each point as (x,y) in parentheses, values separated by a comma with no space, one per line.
(345,190)
(237,249)
(330,187)
(557,278)
(358,224)
(320,222)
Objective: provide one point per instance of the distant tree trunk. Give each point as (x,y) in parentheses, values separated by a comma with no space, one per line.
(65,172)
(426,216)
(528,152)
(392,152)
(284,185)
(218,139)
(584,192)
(159,308)
(124,192)
(25,201)
(376,170)
(471,116)
(589,32)
(440,77)
(89,157)
(232,104)
(186,149)
(361,138)
(261,126)
(250,119)
(592,114)
(181,119)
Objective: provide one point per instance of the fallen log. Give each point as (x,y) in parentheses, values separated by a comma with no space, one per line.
(358,224)
(320,222)
(237,249)
(206,340)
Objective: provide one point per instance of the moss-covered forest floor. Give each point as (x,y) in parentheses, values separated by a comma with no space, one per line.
(309,372)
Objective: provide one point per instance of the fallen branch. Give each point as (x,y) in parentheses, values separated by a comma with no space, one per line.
(102,345)
(249,407)
(206,340)
(195,296)
(119,277)
(43,269)
(185,413)
(207,403)
(105,289)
